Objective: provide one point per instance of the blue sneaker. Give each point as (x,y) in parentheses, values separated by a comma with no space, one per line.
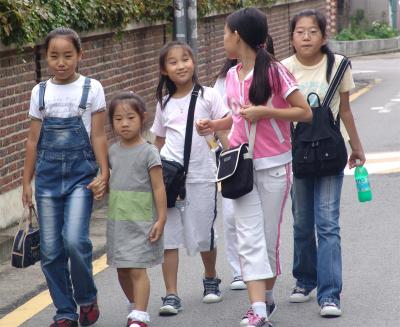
(299,295)
(211,293)
(172,304)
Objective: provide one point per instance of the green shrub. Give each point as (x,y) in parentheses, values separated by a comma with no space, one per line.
(360,29)
(24,22)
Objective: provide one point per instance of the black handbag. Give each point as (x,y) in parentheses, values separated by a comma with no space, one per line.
(318,148)
(173,172)
(235,168)
(26,246)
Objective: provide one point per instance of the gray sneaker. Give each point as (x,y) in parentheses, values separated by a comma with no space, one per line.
(172,304)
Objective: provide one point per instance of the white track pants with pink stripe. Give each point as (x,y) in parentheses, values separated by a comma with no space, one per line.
(258,217)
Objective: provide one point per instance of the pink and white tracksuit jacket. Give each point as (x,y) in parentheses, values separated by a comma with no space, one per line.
(272,144)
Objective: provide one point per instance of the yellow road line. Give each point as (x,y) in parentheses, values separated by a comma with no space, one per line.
(360,92)
(40,302)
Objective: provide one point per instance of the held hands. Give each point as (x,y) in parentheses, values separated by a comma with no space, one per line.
(98,187)
(357,158)
(156,231)
(205,126)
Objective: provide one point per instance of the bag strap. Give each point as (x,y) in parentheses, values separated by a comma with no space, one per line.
(85,93)
(335,82)
(42,89)
(189,128)
(251,136)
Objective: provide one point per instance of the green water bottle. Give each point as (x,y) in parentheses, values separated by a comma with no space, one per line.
(362,183)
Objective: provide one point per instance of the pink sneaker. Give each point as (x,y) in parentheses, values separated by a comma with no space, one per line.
(257,321)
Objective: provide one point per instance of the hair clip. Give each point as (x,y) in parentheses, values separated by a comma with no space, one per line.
(260,46)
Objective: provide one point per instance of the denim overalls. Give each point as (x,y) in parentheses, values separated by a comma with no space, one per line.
(65,165)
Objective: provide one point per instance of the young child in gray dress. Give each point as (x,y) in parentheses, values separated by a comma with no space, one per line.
(137,205)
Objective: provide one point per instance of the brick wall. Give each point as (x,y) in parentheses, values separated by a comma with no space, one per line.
(130,62)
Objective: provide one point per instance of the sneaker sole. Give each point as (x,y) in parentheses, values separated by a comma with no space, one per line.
(331,314)
(238,287)
(212,298)
(169,311)
(301,299)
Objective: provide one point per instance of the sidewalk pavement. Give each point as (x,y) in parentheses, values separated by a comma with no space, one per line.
(19,285)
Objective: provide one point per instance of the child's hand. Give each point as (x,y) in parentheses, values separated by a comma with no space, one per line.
(98,187)
(156,231)
(27,196)
(205,126)
(357,158)
(252,113)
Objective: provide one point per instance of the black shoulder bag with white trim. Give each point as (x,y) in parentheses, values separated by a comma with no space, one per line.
(235,169)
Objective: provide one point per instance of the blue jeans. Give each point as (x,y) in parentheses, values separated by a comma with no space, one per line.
(315,206)
(65,165)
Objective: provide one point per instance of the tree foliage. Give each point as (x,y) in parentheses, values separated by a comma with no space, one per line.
(24,22)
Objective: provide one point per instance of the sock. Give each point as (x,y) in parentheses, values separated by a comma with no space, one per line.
(130,305)
(269,297)
(142,316)
(260,309)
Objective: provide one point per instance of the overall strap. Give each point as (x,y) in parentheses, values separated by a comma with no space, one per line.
(189,128)
(85,93)
(42,89)
(335,82)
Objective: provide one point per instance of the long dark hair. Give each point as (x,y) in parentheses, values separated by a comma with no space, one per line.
(251,24)
(229,63)
(321,22)
(164,80)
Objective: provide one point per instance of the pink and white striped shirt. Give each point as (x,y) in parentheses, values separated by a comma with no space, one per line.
(272,144)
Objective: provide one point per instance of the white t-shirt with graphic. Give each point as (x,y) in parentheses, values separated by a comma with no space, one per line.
(62,100)
(170,123)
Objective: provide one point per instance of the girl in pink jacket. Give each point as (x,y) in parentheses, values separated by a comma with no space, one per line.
(262,91)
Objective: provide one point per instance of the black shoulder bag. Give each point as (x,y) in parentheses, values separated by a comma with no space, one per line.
(174,173)
(318,148)
(235,168)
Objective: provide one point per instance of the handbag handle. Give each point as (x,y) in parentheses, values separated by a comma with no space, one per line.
(27,218)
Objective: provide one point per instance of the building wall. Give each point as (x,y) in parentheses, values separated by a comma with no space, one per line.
(130,62)
(373,9)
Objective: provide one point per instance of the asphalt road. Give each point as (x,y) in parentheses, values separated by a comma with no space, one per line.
(370,241)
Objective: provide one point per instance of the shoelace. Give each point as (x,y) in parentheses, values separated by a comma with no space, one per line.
(211,286)
(170,300)
(237,279)
(297,289)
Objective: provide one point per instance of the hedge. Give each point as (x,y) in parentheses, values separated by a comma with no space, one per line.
(24,22)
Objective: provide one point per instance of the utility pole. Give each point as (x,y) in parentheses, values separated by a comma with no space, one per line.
(180,21)
(192,24)
(185,22)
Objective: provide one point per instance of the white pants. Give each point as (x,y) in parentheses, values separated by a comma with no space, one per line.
(258,217)
(193,228)
(230,235)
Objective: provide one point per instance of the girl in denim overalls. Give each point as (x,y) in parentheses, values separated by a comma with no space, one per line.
(65,140)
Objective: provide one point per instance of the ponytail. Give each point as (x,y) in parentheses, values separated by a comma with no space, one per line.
(330,61)
(260,89)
